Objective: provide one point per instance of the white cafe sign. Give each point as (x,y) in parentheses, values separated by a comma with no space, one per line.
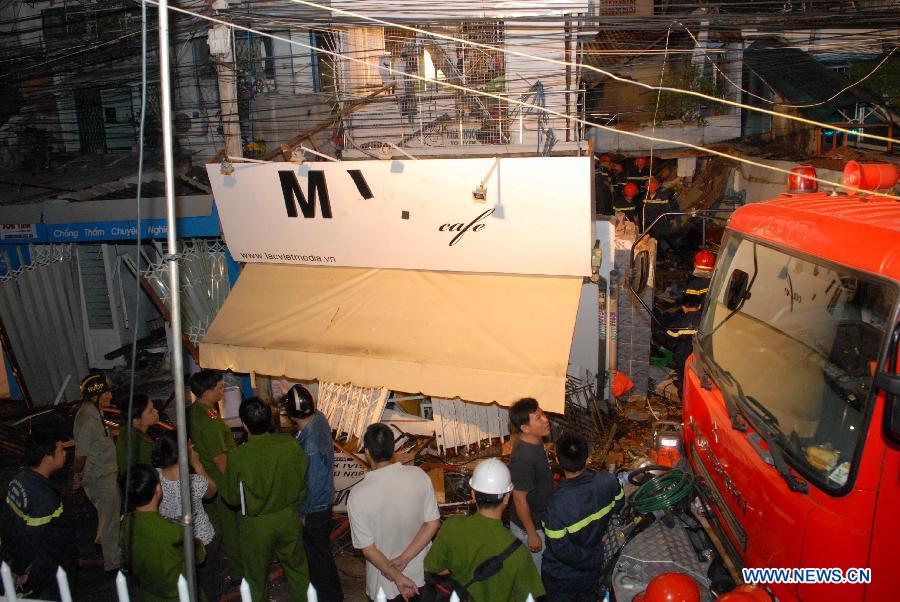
(534,217)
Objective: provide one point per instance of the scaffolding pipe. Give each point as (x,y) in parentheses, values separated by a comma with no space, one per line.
(175,303)
(612,329)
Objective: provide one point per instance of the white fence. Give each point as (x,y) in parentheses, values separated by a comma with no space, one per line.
(122,589)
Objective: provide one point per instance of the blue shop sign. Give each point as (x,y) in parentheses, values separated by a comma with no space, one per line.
(118,230)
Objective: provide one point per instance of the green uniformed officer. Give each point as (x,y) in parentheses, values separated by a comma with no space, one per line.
(266,478)
(212,440)
(156,548)
(464,543)
(143,415)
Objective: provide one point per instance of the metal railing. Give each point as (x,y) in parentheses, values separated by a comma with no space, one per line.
(122,594)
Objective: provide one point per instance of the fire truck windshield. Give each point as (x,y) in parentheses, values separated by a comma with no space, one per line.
(802,339)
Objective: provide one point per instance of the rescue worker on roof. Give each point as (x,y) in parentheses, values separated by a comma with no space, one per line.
(616,179)
(37,535)
(95,465)
(212,440)
(698,284)
(465,542)
(638,171)
(603,192)
(266,479)
(314,437)
(627,203)
(655,203)
(680,333)
(576,518)
(143,416)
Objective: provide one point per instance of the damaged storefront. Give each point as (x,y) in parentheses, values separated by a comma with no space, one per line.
(486,281)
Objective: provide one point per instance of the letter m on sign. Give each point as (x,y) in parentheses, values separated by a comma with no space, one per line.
(294,196)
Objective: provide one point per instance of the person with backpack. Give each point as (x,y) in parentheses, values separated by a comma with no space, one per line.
(477,556)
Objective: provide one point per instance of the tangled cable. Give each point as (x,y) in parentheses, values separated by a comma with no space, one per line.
(663,492)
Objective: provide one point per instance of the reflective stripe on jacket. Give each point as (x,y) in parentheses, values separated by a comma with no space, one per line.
(574,523)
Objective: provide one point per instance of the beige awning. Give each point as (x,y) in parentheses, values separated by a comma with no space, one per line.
(479,337)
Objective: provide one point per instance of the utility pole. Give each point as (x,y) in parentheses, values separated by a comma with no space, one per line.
(222,49)
(175,292)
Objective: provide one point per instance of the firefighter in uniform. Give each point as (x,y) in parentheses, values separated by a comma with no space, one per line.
(627,203)
(95,466)
(655,203)
(37,535)
(603,190)
(680,333)
(698,285)
(638,172)
(266,479)
(616,179)
(213,441)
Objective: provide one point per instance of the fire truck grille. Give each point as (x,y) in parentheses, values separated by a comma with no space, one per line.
(715,498)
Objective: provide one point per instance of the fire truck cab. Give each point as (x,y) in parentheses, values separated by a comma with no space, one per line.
(791,405)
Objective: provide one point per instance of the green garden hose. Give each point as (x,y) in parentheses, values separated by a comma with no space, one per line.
(663,491)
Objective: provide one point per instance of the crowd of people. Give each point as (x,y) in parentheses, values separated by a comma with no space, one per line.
(271,497)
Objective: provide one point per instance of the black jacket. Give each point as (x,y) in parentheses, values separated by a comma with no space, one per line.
(35,532)
(680,333)
(574,523)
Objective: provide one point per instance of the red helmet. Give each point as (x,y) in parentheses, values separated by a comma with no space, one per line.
(630,190)
(652,184)
(640,162)
(672,587)
(604,159)
(704,260)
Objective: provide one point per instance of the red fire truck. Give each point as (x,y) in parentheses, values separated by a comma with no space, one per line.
(791,397)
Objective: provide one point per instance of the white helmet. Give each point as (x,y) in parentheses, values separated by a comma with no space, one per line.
(491,476)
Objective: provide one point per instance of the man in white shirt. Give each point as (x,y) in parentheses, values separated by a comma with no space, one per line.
(393,517)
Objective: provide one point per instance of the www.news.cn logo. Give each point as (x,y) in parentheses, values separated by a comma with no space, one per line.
(807,575)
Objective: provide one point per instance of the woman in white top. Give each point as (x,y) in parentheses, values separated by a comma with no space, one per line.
(165,459)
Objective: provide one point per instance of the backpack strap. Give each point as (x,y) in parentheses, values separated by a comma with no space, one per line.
(492,565)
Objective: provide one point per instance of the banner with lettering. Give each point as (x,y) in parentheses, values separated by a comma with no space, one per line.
(515,215)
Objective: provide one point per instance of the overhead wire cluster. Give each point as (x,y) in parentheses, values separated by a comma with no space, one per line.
(528,34)
(523,104)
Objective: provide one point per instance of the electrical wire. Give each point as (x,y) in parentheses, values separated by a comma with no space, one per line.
(790,106)
(598,70)
(137,275)
(544,36)
(662,72)
(527,105)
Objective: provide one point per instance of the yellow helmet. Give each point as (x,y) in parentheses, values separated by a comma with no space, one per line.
(93,384)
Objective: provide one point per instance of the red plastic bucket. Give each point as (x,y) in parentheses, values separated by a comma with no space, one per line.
(870,176)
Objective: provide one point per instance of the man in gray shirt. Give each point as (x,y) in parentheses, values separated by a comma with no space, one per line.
(531,476)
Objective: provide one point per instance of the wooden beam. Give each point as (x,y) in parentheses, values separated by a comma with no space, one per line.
(163,310)
(327,124)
